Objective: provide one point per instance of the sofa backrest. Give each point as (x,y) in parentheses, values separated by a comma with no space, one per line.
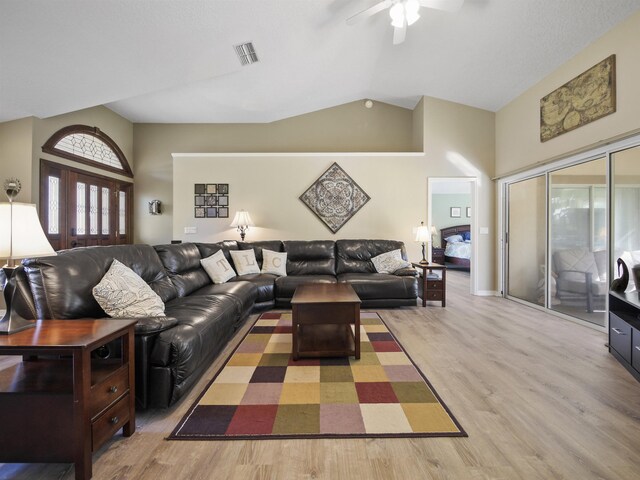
(273,245)
(354,256)
(208,249)
(61,285)
(314,257)
(182,262)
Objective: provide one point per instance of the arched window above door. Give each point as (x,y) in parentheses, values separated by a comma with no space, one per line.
(88,145)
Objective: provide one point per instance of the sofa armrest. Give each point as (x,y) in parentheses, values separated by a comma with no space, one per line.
(406,272)
(151,325)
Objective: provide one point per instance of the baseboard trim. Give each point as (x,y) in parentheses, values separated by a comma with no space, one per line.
(487,293)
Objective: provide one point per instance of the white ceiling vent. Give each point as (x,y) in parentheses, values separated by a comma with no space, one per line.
(246,53)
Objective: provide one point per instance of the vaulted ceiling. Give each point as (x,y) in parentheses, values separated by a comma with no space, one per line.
(174,61)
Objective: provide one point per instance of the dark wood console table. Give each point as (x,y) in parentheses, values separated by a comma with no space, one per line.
(432,288)
(61,403)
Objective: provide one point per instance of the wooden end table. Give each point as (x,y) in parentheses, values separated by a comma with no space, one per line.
(432,288)
(65,406)
(322,317)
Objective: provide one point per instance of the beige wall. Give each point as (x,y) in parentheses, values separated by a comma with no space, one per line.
(346,128)
(518,125)
(15,155)
(21,145)
(459,144)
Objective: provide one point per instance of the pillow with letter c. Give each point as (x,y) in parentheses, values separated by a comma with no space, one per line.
(274,262)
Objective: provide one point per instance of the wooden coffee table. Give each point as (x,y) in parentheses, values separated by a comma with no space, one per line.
(322,317)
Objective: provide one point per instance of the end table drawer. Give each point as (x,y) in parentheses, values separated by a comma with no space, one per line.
(434,284)
(107,424)
(433,295)
(109,390)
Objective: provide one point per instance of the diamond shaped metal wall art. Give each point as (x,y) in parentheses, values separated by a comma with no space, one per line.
(334,197)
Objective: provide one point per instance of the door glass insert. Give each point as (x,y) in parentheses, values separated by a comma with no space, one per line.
(81,208)
(526,245)
(54,205)
(578,238)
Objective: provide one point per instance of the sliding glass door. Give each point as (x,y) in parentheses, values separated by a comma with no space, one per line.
(526,240)
(578,240)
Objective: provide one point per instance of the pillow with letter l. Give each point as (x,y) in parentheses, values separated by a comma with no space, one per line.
(389,262)
(122,293)
(218,268)
(274,262)
(245,261)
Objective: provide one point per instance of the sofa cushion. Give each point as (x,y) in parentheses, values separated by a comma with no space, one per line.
(182,262)
(274,263)
(202,321)
(218,268)
(245,293)
(389,262)
(381,285)
(122,293)
(245,262)
(264,282)
(315,257)
(354,256)
(61,285)
(286,286)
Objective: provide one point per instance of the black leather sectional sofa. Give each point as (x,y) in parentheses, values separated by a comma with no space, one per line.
(172,352)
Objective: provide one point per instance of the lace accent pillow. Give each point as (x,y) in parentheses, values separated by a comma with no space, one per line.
(218,268)
(245,261)
(389,262)
(122,293)
(274,262)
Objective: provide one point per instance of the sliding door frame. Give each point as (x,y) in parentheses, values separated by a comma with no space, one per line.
(546,169)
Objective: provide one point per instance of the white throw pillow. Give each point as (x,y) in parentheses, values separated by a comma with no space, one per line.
(389,262)
(218,268)
(454,239)
(274,262)
(122,293)
(245,261)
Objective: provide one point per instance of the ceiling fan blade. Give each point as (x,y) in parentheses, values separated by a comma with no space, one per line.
(446,5)
(378,7)
(399,34)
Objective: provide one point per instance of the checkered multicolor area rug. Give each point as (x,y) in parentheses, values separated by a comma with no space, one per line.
(262,393)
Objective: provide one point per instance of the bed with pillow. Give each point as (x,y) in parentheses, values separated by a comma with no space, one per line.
(456,242)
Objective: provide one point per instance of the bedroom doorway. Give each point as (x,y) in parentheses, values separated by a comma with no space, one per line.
(451,211)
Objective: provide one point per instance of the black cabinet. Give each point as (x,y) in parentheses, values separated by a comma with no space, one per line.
(624,330)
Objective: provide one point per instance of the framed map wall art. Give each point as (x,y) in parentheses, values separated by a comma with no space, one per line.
(211,200)
(334,197)
(588,97)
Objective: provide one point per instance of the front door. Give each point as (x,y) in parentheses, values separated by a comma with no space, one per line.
(80,209)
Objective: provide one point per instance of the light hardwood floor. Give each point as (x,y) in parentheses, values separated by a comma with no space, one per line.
(540,397)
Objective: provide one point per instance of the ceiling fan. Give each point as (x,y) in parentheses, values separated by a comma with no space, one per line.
(404,13)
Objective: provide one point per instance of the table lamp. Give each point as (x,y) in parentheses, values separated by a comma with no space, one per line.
(21,236)
(242,221)
(423,235)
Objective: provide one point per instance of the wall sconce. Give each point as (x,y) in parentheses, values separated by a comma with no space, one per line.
(155,207)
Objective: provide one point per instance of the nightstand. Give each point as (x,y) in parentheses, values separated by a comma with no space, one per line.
(433,282)
(437,255)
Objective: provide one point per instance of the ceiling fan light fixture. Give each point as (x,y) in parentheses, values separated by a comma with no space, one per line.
(397,15)
(412,17)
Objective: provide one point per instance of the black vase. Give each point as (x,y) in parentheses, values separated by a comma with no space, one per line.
(620,284)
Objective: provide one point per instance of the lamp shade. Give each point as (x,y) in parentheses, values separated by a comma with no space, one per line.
(21,234)
(242,219)
(423,234)
(434,230)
